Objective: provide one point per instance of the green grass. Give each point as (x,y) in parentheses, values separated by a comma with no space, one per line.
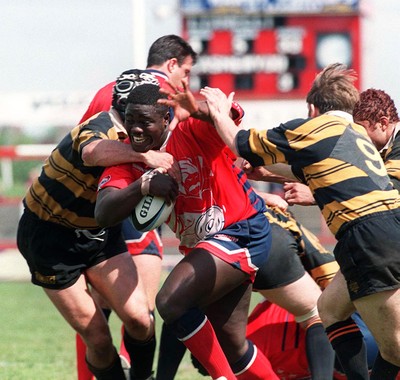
(37,344)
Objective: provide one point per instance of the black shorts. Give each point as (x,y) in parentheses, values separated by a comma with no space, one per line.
(283,265)
(368,253)
(57,255)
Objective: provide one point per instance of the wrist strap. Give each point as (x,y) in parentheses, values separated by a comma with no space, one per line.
(145,185)
(146,178)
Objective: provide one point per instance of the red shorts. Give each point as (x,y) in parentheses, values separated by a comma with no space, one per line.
(148,243)
(245,245)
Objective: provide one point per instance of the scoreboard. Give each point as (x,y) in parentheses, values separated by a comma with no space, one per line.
(264,49)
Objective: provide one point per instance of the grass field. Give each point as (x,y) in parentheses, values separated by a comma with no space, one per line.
(37,344)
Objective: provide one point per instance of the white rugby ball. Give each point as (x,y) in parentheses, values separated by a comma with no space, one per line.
(150,213)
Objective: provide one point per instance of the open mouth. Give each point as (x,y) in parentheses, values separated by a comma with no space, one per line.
(139,139)
(141,143)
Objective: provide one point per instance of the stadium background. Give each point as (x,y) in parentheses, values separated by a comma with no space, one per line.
(267,51)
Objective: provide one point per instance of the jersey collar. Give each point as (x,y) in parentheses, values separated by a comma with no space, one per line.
(342,114)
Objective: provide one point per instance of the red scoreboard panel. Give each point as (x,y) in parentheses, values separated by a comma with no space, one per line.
(264,56)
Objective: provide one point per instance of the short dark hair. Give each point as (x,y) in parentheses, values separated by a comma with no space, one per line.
(167,47)
(147,94)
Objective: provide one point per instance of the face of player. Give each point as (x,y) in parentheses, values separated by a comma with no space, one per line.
(146,128)
(177,73)
(376,132)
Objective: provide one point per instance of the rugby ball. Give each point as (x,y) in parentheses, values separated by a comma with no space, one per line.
(150,213)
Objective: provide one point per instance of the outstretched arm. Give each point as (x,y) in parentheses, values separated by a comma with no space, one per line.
(274,173)
(219,106)
(185,106)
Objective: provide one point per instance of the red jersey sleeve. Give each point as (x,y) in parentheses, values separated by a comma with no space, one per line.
(119,176)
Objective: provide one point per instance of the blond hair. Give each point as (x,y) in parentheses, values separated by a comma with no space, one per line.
(334,89)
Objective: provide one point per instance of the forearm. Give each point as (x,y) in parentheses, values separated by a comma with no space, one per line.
(298,193)
(227,129)
(114,205)
(273,200)
(261,173)
(108,153)
(279,173)
(220,108)
(202,112)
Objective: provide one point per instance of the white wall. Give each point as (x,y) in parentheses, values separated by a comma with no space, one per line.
(93,48)
(268,114)
(380,30)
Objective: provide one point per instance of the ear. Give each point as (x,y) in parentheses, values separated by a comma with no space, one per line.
(385,122)
(167,119)
(313,111)
(172,64)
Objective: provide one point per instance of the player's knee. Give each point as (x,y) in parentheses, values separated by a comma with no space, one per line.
(98,340)
(330,313)
(140,325)
(324,312)
(162,305)
(390,351)
(168,310)
(308,319)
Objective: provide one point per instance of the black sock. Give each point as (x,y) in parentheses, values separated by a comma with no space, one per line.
(244,361)
(107,313)
(141,355)
(170,354)
(383,370)
(348,343)
(113,372)
(320,355)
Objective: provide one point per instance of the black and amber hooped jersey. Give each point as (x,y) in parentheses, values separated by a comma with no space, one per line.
(392,161)
(334,157)
(65,191)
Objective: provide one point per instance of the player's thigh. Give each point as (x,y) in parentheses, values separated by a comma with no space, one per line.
(99,299)
(298,297)
(283,265)
(78,308)
(149,271)
(117,281)
(334,304)
(198,280)
(380,312)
